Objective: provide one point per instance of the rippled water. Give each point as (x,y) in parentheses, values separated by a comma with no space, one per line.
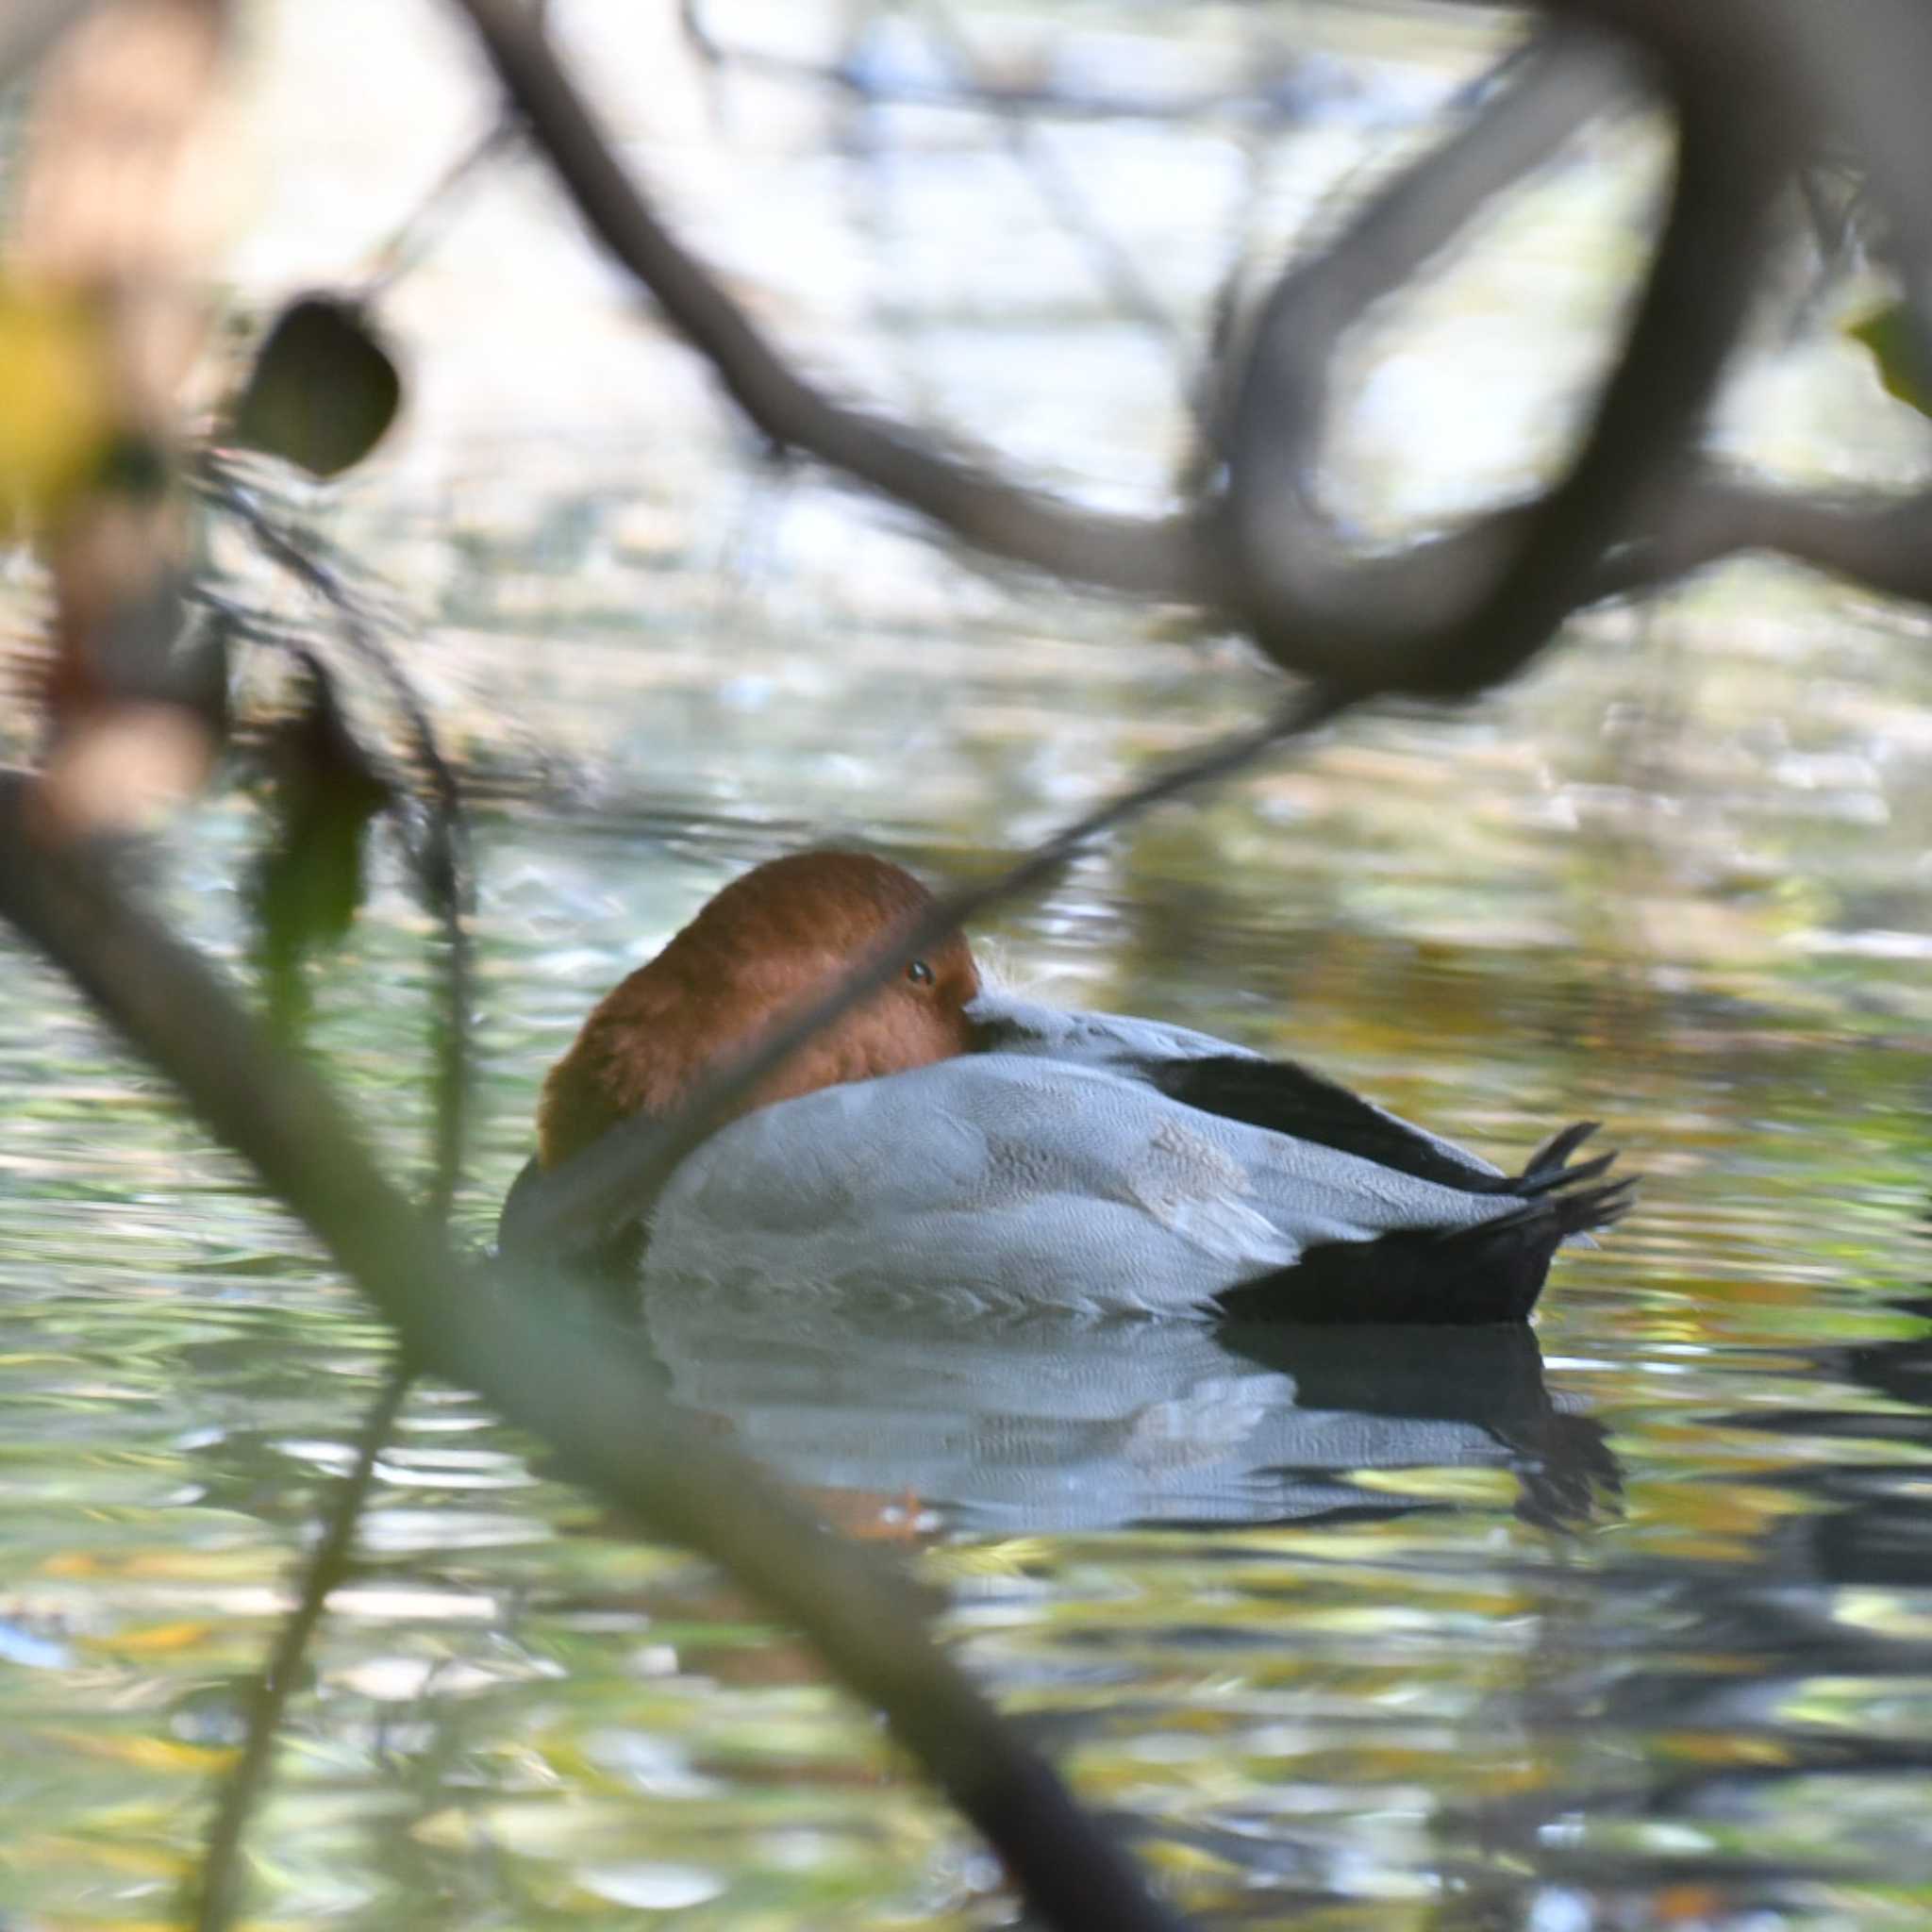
(1624,1623)
(1621,1623)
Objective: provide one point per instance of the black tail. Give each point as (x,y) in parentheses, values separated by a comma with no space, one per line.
(1492,1271)
(1553,1155)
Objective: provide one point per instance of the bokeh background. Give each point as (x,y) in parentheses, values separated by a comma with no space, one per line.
(1332,1644)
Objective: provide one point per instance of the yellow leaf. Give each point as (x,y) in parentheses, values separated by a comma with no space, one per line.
(56,401)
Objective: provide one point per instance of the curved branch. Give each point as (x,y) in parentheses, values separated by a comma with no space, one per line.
(1277,402)
(1451,612)
(1448,617)
(1697,301)
(1169,558)
(1879,543)
(1563,81)
(546,1359)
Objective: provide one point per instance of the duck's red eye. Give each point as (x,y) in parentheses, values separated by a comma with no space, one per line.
(919,973)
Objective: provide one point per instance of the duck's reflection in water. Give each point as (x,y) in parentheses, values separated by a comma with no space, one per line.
(1055,1424)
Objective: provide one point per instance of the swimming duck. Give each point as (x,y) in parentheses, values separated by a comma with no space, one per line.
(946,1139)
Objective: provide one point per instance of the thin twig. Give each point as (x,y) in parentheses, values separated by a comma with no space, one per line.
(443,871)
(1166,558)
(441,849)
(1064,200)
(576,1207)
(411,239)
(1272,101)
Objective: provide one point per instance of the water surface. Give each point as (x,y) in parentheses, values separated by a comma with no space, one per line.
(1574,1628)
(1622,1623)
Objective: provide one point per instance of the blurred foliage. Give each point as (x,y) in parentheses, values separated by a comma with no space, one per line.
(323,389)
(1886,332)
(55,402)
(309,880)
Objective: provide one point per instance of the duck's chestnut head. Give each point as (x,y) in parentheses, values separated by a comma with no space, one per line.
(769,943)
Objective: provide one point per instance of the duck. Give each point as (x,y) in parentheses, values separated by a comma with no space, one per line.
(951,1142)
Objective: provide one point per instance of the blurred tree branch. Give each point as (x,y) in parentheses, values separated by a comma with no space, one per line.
(1270,98)
(1256,558)
(547,1358)
(1169,558)
(1456,615)
(1876,542)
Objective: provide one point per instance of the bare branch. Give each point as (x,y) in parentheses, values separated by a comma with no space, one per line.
(1880,543)
(1651,412)
(1168,558)
(1183,558)
(1277,403)
(1271,101)
(1450,613)
(1450,617)
(412,237)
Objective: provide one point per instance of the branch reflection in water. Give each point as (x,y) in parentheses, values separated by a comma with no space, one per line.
(1051,1423)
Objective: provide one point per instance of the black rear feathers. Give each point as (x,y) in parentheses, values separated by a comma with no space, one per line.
(1492,1271)
(1284,1098)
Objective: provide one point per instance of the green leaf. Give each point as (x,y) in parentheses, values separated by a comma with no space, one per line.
(308,883)
(323,389)
(1886,331)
